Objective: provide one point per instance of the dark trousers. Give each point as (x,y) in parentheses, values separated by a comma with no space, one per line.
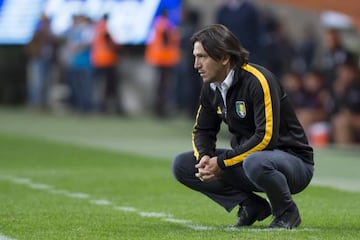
(81,84)
(162,99)
(111,100)
(276,173)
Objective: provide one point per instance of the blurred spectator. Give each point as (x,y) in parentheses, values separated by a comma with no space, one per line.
(104,57)
(75,59)
(188,83)
(244,20)
(307,49)
(346,105)
(309,98)
(163,52)
(335,55)
(314,106)
(40,51)
(293,85)
(278,52)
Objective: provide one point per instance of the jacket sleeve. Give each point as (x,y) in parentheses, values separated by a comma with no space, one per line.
(266,106)
(207,125)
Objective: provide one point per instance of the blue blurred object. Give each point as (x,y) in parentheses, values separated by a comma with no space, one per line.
(130,21)
(18,20)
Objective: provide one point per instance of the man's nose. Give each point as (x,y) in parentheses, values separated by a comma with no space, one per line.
(196,64)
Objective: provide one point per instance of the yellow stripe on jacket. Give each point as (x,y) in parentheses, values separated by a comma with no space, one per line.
(268,118)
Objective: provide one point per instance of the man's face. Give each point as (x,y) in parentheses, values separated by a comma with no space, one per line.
(209,69)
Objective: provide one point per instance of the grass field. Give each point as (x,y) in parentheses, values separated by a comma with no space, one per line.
(70,177)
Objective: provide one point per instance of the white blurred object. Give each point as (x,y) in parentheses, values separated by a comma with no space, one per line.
(319,134)
(332,19)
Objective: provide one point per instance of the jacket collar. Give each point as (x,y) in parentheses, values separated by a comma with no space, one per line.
(226,84)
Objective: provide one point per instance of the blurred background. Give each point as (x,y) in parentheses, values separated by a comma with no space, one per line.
(133,58)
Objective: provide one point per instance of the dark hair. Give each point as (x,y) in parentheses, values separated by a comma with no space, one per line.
(218,41)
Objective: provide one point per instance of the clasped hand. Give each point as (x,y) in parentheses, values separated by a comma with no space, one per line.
(208,169)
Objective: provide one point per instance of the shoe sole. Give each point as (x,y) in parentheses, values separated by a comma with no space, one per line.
(296,223)
(260,217)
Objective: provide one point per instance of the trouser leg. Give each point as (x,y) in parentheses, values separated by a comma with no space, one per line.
(221,191)
(35,83)
(278,174)
(113,90)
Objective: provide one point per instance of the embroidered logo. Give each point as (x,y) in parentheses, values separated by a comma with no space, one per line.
(218,111)
(240,108)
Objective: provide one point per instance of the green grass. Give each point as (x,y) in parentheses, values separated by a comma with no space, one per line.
(62,160)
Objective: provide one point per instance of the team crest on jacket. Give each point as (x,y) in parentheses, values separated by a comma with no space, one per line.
(241,109)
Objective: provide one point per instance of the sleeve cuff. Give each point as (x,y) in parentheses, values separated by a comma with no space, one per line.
(220,162)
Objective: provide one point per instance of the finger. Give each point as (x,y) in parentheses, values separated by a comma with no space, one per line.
(208,178)
(203,162)
(203,171)
(205,158)
(200,165)
(198,175)
(201,174)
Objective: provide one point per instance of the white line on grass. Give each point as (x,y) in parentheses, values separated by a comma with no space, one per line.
(128,209)
(101,202)
(155,214)
(59,192)
(104,202)
(3,237)
(236,229)
(40,186)
(19,180)
(78,195)
(200,228)
(175,220)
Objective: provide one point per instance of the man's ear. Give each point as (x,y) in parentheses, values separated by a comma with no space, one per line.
(225,60)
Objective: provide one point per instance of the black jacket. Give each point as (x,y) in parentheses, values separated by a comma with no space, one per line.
(258,115)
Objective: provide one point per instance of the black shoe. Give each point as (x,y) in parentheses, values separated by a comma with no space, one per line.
(248,214)
(289,219)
